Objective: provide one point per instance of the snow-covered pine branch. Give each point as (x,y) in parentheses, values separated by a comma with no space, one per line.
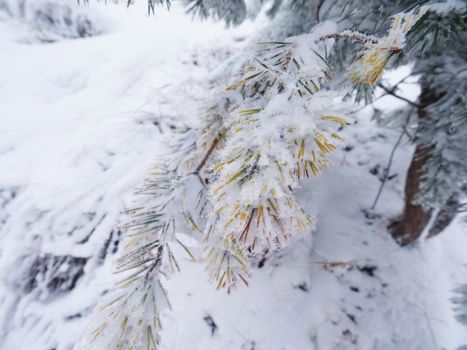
(275,125)
(232,12)
(283,128)
(128,316)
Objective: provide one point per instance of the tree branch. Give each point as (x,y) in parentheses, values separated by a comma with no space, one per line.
(393,93)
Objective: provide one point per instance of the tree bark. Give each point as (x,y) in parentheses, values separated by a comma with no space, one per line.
(414,217)
(444,217)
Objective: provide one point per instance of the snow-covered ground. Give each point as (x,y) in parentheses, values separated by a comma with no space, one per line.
(81,122)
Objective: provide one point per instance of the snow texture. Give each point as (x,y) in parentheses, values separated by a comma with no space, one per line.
(82,122)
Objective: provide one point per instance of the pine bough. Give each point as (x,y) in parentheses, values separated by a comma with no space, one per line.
(233,180)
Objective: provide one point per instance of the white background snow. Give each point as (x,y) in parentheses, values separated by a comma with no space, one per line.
(81,123)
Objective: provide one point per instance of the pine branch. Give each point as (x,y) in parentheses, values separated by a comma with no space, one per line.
(129,315)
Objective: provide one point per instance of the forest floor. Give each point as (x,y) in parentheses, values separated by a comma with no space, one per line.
(82,122)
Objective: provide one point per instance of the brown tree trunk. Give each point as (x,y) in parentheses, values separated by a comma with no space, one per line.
(445,216)
(415,218)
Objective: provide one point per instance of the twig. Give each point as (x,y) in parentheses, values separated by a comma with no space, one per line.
(393,88)
(351,35)
(392,93)
(391,157)
(208,154)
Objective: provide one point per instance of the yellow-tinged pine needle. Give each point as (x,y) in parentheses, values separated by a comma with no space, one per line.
(313,154)
(314,85)
(243,279)
(186,250)
(234,213)
(150,339)
(211,251)
(220,196)
(274,193)
(314,168)
(272,205)
(129,282)
(240,262)
(212,257)
(301,152)
(103,307)
(249,68)
(221,280)
(229,275)
(279,222)
(337,137)
(123,325)
(217,211)
(246,112)
(189,219)
(220,265)
(324,162)
(260,216)
(300,224)
(336,119)
(98,331)
(242,82)
(235,176)
(217,189)
(232,218)
(281,172)
(321,146)
(218,165)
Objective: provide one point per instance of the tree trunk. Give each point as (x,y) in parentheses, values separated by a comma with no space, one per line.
(415,218)
(445,216)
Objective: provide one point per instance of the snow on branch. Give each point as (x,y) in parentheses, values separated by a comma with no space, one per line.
(378,51)
(233,179)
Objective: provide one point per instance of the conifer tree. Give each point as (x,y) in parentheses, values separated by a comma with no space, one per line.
(435,183)
(437,177)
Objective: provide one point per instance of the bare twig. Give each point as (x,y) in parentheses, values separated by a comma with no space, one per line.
(208,154)
(393,93)
(393,88)
(391,157)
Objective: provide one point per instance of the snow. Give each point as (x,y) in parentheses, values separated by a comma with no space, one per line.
(347,286)
(82,122)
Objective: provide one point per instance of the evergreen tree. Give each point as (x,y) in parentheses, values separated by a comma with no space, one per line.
(436,178)
(437,175)
(49,21)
